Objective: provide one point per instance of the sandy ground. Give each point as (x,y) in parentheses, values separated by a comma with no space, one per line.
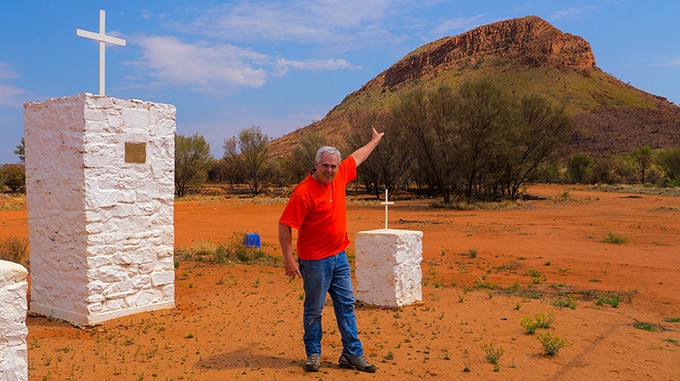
(244,322)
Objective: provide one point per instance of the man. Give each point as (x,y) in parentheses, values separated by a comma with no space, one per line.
(317,210)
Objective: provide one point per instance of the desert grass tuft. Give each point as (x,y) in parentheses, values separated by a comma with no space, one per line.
(491,354)
(13,249)
(232,252)
(614,238)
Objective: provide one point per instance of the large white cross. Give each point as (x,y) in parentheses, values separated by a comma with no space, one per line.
(386,203)
(103,39)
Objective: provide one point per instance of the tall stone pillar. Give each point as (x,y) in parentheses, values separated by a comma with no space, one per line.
(100,199)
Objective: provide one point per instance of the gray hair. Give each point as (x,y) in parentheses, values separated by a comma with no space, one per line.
(329,150)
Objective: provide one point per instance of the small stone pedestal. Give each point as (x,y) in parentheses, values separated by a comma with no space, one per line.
(100,199)
(13,331)
(388,270)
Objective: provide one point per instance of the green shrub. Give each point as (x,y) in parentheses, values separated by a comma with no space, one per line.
(551,343)
(492,354)
(540,320)
(13,176)
(613,300)
(650,327)
(615,238)
(529,324)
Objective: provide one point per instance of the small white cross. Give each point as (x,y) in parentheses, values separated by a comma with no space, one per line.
(103,39)
(386,203)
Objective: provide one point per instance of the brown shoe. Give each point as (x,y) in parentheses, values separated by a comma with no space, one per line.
(313,363)
(356,362)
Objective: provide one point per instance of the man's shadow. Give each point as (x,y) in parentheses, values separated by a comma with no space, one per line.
(245,358)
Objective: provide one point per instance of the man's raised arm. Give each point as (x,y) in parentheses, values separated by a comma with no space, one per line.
(361,154)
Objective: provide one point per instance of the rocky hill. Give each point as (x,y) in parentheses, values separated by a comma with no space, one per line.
(524,56)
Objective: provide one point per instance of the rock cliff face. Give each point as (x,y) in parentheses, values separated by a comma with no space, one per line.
(529,41)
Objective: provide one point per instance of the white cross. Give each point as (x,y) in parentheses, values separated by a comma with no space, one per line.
(386,203)
(102,38)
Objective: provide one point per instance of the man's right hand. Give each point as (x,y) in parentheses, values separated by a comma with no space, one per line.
(286,241)
(292,270)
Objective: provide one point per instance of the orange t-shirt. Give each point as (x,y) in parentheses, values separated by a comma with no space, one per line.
(318,212)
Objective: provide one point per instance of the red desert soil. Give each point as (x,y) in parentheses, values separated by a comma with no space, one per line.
(238,322)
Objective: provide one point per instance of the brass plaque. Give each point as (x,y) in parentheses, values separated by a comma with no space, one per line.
(135,152)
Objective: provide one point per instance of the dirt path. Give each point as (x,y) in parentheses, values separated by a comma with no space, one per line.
(484,270)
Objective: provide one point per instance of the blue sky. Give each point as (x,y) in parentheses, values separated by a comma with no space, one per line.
(280,65)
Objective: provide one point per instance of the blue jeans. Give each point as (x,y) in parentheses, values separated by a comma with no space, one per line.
(329,275)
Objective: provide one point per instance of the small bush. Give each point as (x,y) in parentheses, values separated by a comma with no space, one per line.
(13,249)
(551,343)
(615,238)
(536,276)
(540,320)
(568,301)
(544,320)
(612,300)
(492,354)
(529,324)
(650,327)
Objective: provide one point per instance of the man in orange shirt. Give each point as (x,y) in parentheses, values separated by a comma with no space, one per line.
(317,210)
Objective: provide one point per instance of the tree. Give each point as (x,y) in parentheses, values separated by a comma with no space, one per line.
(21,151)
(669,161)
(479,142)
(541,137)
(486,129)
(643,158)
(605,169)
(301,158)
(249,153)
(578,168)
(13,176)
(430,146)
(389,163)
(192,162)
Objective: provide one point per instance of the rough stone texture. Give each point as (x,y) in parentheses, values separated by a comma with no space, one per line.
(388,270)
(531,39)
(13,330)
(100,227)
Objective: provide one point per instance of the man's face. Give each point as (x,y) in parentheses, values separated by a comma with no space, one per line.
(326,167)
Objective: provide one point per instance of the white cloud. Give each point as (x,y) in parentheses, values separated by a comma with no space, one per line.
(457,25)
(283,65)
(10,96)
(215,67)
(575,12)
(338,25)
(673,62)
(208,67)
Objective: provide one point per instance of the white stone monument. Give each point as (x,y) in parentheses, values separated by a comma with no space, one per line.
(100,199)
(388,272)
(13,330)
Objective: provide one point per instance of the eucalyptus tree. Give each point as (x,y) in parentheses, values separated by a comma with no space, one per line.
(643,158)
(248,154)
(389,163)
(192,162)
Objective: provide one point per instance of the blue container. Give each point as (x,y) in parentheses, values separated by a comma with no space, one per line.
(251,240)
